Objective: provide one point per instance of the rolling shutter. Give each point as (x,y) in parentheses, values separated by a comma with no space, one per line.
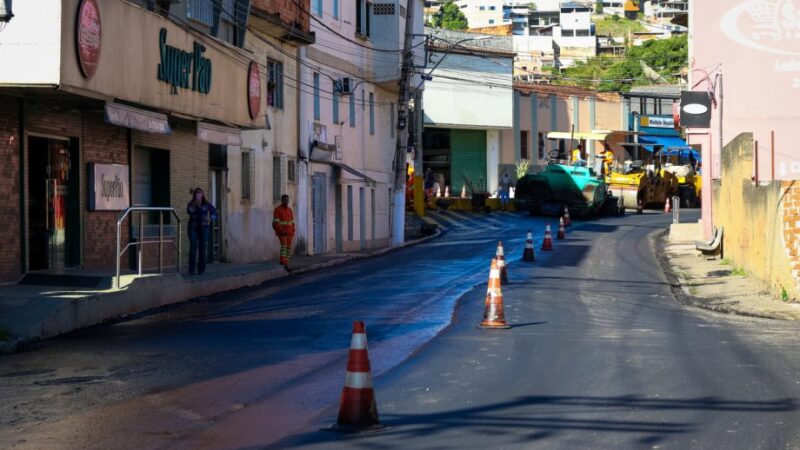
(468,159)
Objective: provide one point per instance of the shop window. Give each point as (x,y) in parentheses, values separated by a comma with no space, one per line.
(523,144)
(275,84)
(247,175)
(200,10)
(277,189)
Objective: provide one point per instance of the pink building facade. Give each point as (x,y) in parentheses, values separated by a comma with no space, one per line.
(747,54)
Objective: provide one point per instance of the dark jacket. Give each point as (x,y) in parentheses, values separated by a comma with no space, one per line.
(201,216)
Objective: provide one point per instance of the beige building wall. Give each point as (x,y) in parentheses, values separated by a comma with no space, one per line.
(249,233)
(129,60)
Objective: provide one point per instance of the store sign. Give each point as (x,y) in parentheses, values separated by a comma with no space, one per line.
(695,109)
(110,187)
(182,69)
(657,122)
(88,37)
(254,90)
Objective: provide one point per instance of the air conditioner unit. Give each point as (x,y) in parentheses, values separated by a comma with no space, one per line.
(345,86)
(5,11)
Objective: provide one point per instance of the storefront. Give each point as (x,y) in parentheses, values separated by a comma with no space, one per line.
(106,120)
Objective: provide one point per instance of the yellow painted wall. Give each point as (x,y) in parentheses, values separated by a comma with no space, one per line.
(753,219)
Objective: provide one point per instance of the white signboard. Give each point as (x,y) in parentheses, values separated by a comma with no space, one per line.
(110,187)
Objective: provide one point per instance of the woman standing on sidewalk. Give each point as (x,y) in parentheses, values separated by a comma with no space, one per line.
(201,213)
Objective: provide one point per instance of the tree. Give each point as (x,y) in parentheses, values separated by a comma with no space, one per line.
(598,7)
(450,17)
(606,74)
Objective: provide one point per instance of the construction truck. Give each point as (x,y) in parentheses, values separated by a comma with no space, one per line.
(644,183)
(683,162)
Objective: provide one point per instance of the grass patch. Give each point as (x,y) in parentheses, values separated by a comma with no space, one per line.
(784,294)
(739,272)
(726,262)
(5,336)
(617,26)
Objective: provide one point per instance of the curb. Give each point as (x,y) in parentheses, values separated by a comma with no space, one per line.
(680,286)
(12,346)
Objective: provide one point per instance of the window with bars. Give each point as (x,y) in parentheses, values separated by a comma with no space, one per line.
(200,10)
(247,175)
(275,84)
(523,144)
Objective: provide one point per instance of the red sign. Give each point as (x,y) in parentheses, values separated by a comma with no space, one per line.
(88,37)
(254,90)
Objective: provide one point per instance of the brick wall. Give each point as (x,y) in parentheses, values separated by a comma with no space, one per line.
(104,144)
(287,10)
(791,224)
(10,238)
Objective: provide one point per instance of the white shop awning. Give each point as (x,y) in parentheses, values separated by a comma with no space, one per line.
(138,119)
(218,134)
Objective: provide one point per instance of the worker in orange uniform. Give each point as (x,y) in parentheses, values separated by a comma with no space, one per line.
(608,162)
(283,224)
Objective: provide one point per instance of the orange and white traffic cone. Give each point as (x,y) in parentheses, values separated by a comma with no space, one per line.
(667,208)
(562,232)
(547,244)
(438,191)
(447,191)
(567,220)
(464,191)
(528,255)
(357,408)
(493,314)
(500,256)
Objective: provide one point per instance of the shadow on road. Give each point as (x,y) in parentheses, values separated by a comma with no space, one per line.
(544,417)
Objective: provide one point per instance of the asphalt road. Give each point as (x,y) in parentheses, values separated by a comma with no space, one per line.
(601,355)
(247,368)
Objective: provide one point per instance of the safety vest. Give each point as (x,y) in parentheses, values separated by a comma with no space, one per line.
(283,221)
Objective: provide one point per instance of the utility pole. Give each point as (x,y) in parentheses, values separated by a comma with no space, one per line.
(407,58)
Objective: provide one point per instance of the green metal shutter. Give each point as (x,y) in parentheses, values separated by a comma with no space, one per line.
(467,158)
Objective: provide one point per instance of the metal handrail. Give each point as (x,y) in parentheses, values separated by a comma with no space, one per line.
(176,241)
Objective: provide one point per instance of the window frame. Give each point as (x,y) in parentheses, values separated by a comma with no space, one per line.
(246,176)
(275,75)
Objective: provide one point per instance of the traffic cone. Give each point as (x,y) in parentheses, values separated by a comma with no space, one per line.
(357,408)
(528,255)
(500,256)
(438,191)
(567,220)
(447,191)
(561,231)
(639,207)
(464,191)
(667,209)
(547,244)
(493,315)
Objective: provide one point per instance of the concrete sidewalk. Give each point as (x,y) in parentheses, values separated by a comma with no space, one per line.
(715,284)
(33,312)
